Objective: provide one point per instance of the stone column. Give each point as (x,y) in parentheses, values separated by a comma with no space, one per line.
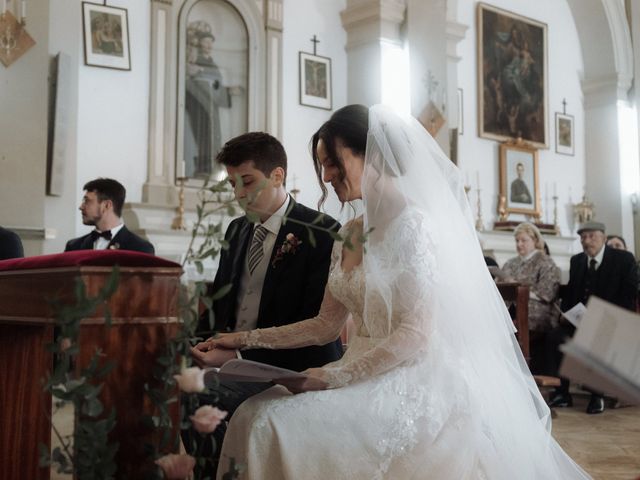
(370,25)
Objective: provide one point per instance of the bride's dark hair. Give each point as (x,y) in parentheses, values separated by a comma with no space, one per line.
(350,124)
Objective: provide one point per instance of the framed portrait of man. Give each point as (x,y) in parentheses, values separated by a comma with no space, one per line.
(512,77)
(519,178)
(106,36)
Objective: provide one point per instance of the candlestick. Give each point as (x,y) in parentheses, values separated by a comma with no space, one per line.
(479,222)
(178,221)
(556,227)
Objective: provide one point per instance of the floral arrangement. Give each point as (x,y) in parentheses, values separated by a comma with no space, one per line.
(290,245)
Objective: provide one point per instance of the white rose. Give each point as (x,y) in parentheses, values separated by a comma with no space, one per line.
(191,380)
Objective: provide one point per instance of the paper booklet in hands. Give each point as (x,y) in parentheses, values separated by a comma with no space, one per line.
(604,353)
(240,370)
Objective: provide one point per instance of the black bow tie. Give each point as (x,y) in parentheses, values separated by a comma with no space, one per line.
(95,234)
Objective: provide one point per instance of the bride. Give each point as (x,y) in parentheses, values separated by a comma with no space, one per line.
(433,384)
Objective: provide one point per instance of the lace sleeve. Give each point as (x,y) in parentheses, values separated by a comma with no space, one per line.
(414,262)
(322,329)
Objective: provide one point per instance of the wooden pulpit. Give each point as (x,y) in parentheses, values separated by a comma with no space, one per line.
(144,313)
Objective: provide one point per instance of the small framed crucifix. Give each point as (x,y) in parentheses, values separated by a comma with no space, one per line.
(315,79)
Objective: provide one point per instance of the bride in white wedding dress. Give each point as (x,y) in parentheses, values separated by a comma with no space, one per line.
(433,385)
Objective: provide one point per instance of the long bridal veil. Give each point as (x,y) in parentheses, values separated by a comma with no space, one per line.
(507,433)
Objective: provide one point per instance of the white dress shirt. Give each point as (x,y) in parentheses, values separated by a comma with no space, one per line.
(102,243)
(597,258)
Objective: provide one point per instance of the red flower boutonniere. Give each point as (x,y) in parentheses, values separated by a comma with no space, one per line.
(290,245)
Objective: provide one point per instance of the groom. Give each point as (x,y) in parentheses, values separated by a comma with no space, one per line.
(277,276)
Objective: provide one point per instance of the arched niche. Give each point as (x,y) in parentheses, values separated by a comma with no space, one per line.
(262,20)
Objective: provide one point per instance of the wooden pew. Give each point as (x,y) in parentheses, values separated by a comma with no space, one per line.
(519,295)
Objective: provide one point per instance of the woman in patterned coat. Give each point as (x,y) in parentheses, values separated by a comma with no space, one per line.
(535,268)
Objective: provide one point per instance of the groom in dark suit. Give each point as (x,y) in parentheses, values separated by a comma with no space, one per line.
(277,275)
(601,271)
(102,207)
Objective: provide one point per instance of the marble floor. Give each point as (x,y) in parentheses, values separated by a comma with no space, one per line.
(607,446)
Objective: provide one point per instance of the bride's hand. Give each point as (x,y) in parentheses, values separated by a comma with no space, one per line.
(223,340)
(312,382)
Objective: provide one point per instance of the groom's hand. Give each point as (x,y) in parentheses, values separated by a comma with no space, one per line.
(211,358)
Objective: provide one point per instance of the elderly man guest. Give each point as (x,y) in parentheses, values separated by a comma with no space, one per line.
(535,268)
(102,207)
(599,270)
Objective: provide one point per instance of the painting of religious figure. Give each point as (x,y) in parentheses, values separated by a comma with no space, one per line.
(214,85)
(315,80)
(512,77)
(106,36)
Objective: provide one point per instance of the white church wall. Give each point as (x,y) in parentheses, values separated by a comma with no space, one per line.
(479,156)
(61,214)
(303,19)
(108,123)
(113,111)
(23,131)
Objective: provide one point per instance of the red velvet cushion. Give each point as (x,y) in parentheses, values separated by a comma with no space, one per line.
(102,258)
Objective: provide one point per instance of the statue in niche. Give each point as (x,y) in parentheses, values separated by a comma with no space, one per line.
(205,96)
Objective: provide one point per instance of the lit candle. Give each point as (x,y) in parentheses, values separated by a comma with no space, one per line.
(24,10)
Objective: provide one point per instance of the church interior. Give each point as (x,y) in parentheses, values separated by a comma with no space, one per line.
(535,102)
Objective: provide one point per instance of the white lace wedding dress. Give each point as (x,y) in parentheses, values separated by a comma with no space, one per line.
(407,406)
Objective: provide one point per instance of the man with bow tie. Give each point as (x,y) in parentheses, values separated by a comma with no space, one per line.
(102,207)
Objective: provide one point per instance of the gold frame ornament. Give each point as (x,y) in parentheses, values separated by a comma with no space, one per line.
(519,183)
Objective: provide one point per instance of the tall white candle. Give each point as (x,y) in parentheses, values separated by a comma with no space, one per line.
(555,189)
(24,10)
(478,178)
(4,6)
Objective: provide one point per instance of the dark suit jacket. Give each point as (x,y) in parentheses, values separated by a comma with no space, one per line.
(292,291)
(124,240)
(10,245)
(616,281)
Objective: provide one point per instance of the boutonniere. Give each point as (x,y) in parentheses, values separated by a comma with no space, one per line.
(290,245)
(114,246)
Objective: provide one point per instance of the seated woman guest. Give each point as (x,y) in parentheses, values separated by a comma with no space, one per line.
(535,268)
(617,242)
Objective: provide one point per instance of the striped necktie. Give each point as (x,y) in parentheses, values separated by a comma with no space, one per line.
(256,251)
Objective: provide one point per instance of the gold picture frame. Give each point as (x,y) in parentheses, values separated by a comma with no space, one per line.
(519,185)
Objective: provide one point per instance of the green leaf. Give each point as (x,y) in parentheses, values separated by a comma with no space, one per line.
(221,292)
(312,237)
(93,407)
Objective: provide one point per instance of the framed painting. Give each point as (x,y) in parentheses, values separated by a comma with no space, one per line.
(106,36)
(564,134)
(315,81)
(512,77)
(519,178)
